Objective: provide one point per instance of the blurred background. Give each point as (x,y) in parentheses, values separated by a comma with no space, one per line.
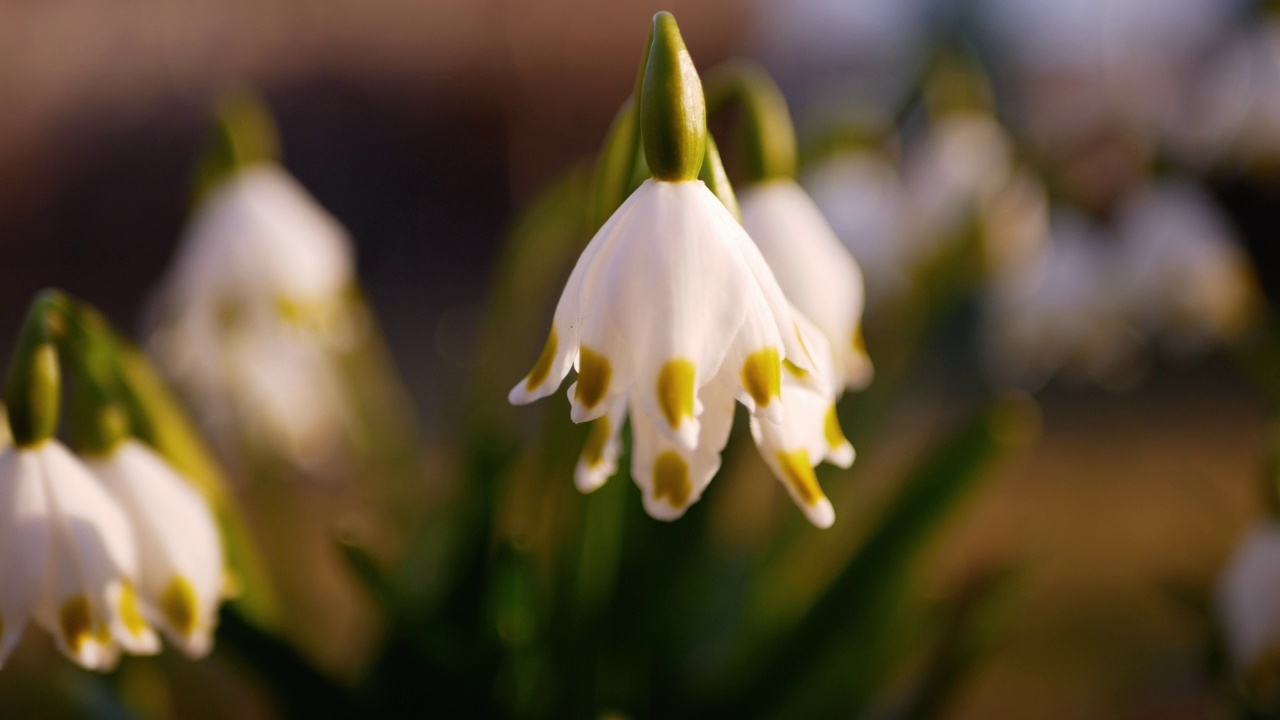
(425,126)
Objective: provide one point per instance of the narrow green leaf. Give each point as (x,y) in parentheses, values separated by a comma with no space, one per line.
(856,598)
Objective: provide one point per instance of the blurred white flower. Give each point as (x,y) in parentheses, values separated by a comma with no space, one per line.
(1085,64)
(180,570)
(860,194)
(253,313)
(836,56)
(1014,224)
(1062,311)
(1188,280)
(961,163)
(669,315)
(1249,594)
(1229,107)
(815,271)
(67,559)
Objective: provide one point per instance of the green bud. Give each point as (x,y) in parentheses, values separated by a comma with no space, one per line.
(957,83)
(98,418)
(245,134)
(768,135)
(34,388)
(714,176)
(673,113)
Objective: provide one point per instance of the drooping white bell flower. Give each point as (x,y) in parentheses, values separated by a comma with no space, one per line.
(963,160)
(1248,594)
(1188,279)
(253,312)
(670,313)
(861,195)
(180,573)
(1063,310)
(1227,107)
(67,558)
(814,269)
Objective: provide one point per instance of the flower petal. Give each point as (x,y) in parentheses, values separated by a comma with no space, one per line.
(671,477)
(88,604)
(814,269)
(792,448)
(599,459)
(24,544)
(562,348)
(179,546)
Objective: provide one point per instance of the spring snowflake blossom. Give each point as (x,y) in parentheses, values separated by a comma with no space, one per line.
(180,572)
(68,559)
(670,314)
(254,311)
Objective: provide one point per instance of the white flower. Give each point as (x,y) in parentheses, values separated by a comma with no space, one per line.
(1188,279)
(67,559)
(815,271)
(1249,595)
(1228,108)
(963,160)
(669,315)
(181,568)
(861,195)
(1062,310)
(253,312)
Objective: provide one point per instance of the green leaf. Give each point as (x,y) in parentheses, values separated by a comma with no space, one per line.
(856,602)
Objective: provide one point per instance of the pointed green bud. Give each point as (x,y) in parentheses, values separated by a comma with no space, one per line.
(768,135)
(97,416)
(714,176)
(245,134)
(673,113)
(957,83)
(34,388)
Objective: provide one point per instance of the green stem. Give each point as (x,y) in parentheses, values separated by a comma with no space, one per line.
(768,135)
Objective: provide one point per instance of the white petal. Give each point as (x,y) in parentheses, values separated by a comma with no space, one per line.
(561,350)
(89,605)
(260,234)
(861,195)
(813,268)
(672,287)
(179,546)
(1248,595)
(24,544)
(599,459)
(792,448)
(779,307)
(671,478)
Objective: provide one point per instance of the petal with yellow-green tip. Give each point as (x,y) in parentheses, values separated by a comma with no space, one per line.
(24,544)
(599,459)
(181,573)
(92,560)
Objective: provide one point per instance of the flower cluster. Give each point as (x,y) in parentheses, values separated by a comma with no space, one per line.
(673,312)
(1091,299)
(105,548)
